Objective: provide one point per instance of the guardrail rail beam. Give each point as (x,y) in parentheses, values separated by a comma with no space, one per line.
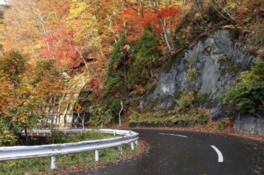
(53,150)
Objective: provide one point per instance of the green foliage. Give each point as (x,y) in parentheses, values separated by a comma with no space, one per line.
(192,73)
(191,99)
(146,48)
(114,81)
(200,100)
(247,96)
(170,118)
(192,70)
(146,53)
(228,65)
(114,75)
(114,105)
(7,138)
(59,137)
(221,124)
(43,68)
(104,112)
(218,125)
(185,101)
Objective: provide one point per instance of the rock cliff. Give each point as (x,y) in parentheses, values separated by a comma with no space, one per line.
(206,69)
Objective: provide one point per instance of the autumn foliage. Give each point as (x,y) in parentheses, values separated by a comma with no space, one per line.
(121,44)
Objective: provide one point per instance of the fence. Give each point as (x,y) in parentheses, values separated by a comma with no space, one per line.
(53,150)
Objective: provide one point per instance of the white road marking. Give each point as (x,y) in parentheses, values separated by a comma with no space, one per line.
(220,155)
(173,135)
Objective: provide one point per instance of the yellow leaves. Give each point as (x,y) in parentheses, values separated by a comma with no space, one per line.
(197,15)
(229,27)
(22,118)
(127,47)
(82,20)
(6,91)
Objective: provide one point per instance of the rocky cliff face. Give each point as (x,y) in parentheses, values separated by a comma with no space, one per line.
(253,124)
(209,67)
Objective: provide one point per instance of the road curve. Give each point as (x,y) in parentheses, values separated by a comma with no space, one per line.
(188,153)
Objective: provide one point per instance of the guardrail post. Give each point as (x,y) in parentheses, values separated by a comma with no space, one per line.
(132,146)
(120,149)
(96,155)
(136,142)
(53,163)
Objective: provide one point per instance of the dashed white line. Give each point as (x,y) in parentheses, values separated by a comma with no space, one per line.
(177,135)
(220,155)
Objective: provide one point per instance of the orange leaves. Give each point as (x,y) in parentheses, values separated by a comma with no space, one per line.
(99,94)
(95,83)
(38,29)
(131,23)
(134,19)
(172,16)
(151,18)
(59,46)
(22,118)
(170,12)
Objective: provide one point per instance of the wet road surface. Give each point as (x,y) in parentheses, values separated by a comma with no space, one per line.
(187,153)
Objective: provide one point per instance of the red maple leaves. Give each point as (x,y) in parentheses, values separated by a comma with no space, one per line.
(135,19)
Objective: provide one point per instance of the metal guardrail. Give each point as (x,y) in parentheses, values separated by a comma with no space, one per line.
(53,150)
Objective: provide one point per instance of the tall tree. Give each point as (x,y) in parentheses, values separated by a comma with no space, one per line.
(169,46)
(40,29)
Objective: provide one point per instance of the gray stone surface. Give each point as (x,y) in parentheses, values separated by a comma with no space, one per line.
(216,63)
(253,124)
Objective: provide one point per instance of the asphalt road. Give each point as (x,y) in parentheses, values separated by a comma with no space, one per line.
(187,153)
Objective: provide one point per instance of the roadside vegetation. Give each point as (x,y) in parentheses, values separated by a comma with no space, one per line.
(247,95)
(67,163)
(172,118)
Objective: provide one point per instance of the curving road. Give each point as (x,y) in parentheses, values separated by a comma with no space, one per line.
(187,153)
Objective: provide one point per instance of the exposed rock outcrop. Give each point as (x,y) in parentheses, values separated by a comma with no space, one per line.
(209,67)
(250,123)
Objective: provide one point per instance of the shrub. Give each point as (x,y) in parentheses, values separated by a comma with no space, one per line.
(7,138)
(221,124)
(247,96)
(185,101)
(171,118)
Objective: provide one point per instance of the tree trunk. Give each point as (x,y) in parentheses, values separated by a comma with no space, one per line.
(82,58)
(170,47)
